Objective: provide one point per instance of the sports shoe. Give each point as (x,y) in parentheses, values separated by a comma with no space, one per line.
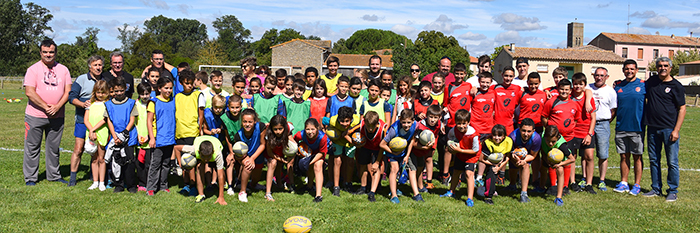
(559,202)
(575,187)
(318,199)
(347,188)
(133,190)
(230,191)
(447,194)
(429,186)
(602,186)
(166,190)
(109,184)
(118,189)
(539,189)
(446,180)
(589,189)
(141,188)
(60,180)
(478,183)
(423,190)
(488,201)
(30,183)
(243,197)
(418,198)
(566,191)
(336,191)
(193,191)
(269,197)
(651,193)
(524,198)
(329,184)
(226,186)
(370,197)
(622,188)
(671,197)
(101,187)
(185,190)
(199,199)
(398,192)
(150,193)
(511,187)
(635,190)
(469,202)
(93,186)
(552,190)
(582,183)
(360,191)
(395,200)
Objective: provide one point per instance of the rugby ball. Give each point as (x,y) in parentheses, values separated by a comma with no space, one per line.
(358,139)
(449,145)
(520,152)
(291,150)
(90,146)
(188,161)
(397,144)
(304,150)
(332,133)
(297,224)
(240,149)
(426,137)
(495,158)
(555,156)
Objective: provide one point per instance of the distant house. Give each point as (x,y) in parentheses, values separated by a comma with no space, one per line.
(473,65)
(644,48)
(300,54)
(689,68)
(542,60)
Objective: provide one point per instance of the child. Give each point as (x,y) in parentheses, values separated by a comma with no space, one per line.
(238,82)
(266,103)
(582,144)
(189,118)
(311,73)
(318,143)
(341,99)
(255,86)
(405,128)
(387,79)
(121,116)
(385,94)
(217,80)
(374,103)
(207,149)
(280,76)
(213,126)
(231,123)
(343,152)
(530,106)
(296,109)
(466,151)
(276,139)
(483,105)
(98,133)
(251,132)
(403,95)
(144,151)
(152,80)
(332,77)
(423,101)
(557,172)
(355,90)
(289,87)
(161,134)
(438,87)
(457,97)
(558,74)
(367,154)
(507,96)
(201,81)
(422,156)
(497,142)
(524,137)
(562,112)
(319,100)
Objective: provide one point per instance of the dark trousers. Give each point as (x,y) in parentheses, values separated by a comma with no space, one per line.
(142,168)
(127,176)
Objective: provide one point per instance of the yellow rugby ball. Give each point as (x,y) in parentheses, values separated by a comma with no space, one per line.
(555,156)
(398,144)
(332,133)
(297,224)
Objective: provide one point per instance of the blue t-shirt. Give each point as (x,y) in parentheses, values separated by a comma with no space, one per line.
(532,144)
(213,121)
(630,105)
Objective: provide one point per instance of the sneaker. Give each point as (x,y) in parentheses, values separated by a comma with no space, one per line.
(185,190)
(511,188)
(469,202)
(360,191)
(328,185)
(199,199)
(230,191)
(93,186)
(539,189)
(602,187)
(478,183)
(336,191)
(582,183)
(269,197)
(30,183)
(395,200)
(635,190)
(488,201)
(429,186)
(166,190)
(552,190)
(575,187)
(259,187)
(133,190)
(150,193)
(418,198)
(559,202)
(226,186)
(60,180)
(589,189)
(446,180)
(347,188)
(101,187)
(671,197)
(193,191)
(524,198)
(243,197)
(423,190)
(447,194)
(398,192)
(141,188)
(318,199)
(566,191)
(651,193)
(370,197)
(118,189)
(622,188)
(109,184)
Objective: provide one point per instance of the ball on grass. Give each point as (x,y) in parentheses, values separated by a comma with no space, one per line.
(297,224)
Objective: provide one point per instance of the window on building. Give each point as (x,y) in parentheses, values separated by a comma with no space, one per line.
(670,53)
(624,52)
(656,53)
(542,68)
(640,53)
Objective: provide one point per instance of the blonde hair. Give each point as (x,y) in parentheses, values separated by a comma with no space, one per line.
(100,86)
(218,101)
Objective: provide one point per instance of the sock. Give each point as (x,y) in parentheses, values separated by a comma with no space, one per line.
(445,174)
(567,174)
(479,177)
(552,177)
(102,183)
(94,183)
(623,182)
(429,181)
(73,175)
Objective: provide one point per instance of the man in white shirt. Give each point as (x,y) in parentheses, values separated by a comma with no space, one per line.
(606,104)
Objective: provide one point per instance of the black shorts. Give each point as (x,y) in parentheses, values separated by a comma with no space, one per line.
(460,165)
(577,144)
(185,141)
(366,156)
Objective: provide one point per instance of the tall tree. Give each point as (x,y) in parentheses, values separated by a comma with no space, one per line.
(426,51)
(142,49)
(367,40)
(21,30)
(176,31)
(74,56)
(233,38)
(128,36)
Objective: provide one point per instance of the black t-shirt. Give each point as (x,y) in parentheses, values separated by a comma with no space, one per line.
(107,76)
(663,102)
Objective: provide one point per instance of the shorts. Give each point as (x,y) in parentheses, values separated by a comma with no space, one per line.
(80,130)
(415,162)
(461,165)
(392,158)
(577,144)
(366,156)
(629,142)
(185,141)
(342,150)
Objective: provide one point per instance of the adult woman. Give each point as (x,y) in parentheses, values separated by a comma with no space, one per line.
(415,74)
(248,66)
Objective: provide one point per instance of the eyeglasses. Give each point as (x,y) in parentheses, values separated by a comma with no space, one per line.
(415,70)
(598,75)
(50,78)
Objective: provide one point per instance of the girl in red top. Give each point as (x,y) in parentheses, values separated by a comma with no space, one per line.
(276,139)
(317,143)
(319,100)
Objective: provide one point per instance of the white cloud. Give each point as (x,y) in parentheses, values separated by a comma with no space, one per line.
(638,30)
(472,36)
(484,47)
(603,5)
(54,8)
(160,4)
(510,21)
(528,41)
(372,18)
(405,30)
(62,24)
(660,21)
(508,37)
(184,8)
(643,15)
(444,24)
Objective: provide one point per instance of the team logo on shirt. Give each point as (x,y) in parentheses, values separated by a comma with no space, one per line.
(512,94)
(506,102)
(636,89)
(573,111)
(668,89)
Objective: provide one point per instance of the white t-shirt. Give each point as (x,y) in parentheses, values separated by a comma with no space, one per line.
(520,82)
(474,81)
(605,100)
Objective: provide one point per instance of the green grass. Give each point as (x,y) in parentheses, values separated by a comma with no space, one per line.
(52,207)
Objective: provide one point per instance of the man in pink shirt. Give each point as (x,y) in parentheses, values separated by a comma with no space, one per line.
(47,85)
(444,67)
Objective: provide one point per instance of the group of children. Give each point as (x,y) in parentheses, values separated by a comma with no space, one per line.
(323,115)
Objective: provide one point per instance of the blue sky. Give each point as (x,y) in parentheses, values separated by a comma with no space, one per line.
(480,25)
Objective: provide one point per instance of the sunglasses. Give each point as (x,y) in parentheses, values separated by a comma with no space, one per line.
(261,72)
(415,70)
(243,67)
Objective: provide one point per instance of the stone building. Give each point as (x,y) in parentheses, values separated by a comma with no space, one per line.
(300,54)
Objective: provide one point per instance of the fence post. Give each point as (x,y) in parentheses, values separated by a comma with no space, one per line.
(696,100)
(2,84)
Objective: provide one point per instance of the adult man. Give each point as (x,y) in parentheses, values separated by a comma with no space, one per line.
(157,60)
(375,67)
(47,85)
(331,78)
(522,65)
(629,129)
(79,96)
(445,66)
(606,103)
(116,61)
(663,115)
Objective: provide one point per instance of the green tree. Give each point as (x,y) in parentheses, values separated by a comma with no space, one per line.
(273,37)
(339,46)
(176,32)
(128,36)
(74,56)
(21,30)
(426,51)
(367,40)
(233,38)
(677,59)
(141,54)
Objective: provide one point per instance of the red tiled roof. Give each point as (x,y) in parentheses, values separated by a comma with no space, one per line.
(691,63)
(652,39)
(473,60)
(314,43)
(581,54)
(361,60)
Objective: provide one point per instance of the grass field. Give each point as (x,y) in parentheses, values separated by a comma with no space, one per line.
(52,207)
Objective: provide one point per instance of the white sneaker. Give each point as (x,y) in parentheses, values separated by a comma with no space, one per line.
(102,187)
(243,197)
(93,186)
(230,191)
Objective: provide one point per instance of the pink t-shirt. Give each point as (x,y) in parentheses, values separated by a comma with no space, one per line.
(50,86)
(449,79)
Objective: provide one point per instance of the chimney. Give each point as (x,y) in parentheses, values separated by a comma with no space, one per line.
(512,47)
(673,36)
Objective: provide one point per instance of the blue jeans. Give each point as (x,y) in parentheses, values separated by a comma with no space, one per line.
(655,138)
(602,139)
